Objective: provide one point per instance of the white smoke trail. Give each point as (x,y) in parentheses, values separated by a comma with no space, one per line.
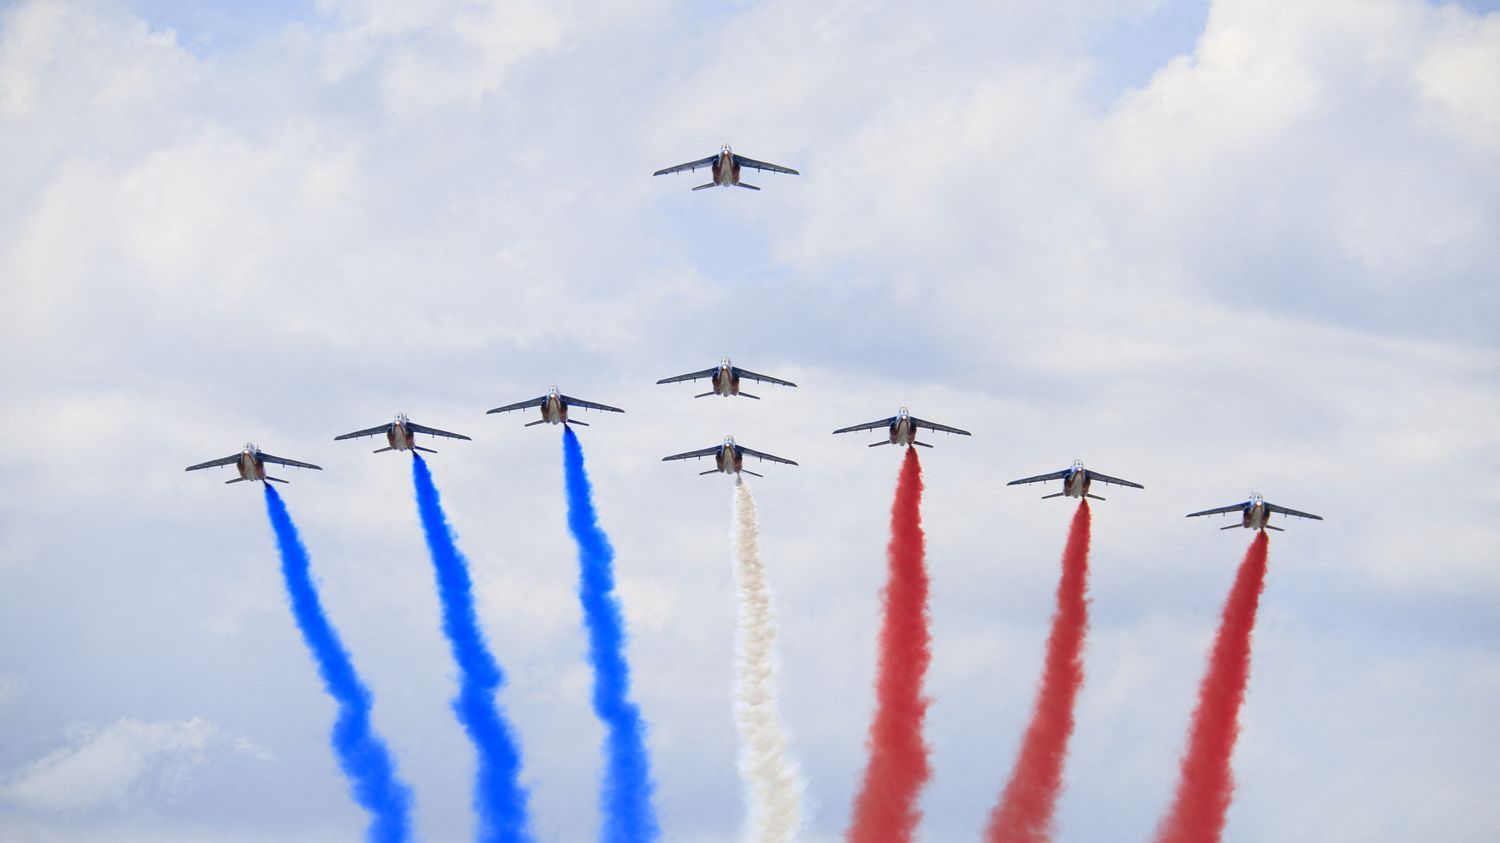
(773,784)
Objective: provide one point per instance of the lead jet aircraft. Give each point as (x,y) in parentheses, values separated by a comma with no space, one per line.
(554,408)
(726,169)
(251,462)
(729,457)
(1076,480)
(1256,513)
(401,435)
(903,429)
(725,379)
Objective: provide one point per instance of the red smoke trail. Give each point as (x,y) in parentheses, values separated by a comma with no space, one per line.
(1025,809)
(885,811)
(1207,782)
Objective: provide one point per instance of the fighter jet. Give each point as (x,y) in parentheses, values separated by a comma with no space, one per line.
(1256,513)
(1076,481)
(903,427)
(401,434)
(725,379)
(729,456)
(251,462)
(554,408)
(726,169)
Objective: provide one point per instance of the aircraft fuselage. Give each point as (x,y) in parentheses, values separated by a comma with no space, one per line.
(1255,517)
(726,382)
(729,460)
(1076,484)
(903,432)
(398,437)
(250,466)
(554,409)
(726,171)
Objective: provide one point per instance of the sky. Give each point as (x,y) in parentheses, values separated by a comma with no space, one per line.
(1216,248)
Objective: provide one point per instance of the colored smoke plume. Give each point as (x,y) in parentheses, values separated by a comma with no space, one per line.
(773,784)
(362,755)
(499,799)
(1207,783)
(885,810)
(626,796)
(1024,813)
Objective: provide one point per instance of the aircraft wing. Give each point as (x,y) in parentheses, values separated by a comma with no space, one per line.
(689,166)
(764,456)
(229,460)
(519,405)
(1284,511)
(1105,478)
(874,425)
(690,455)
(579,402)
(265,457)
(755,376)
(1056,475)
(432,431)
(374,431)
(1237,507)
(935,426)
(690,376)
(761,165)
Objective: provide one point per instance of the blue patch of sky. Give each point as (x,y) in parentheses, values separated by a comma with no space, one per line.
(212,27)
(1129,51)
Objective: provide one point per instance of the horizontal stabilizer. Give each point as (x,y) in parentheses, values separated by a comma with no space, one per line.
(420,448)
(710,471)
(923,444)
(747,187)
(748,395)
(1231,526)
(1095,497)
(382,450)
(277,479)
(703,186)
(751,473)
(1277,529)
(1057,495)
(235,480)
(535,423)
(881,442)
(703,395)
(575,421)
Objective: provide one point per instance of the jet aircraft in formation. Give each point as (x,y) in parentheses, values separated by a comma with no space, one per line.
(251,463)
(725,380)
(554,408)
(1076,480)
(725,166)
(401,435)
(729,457)
(1255,514)
(903,429)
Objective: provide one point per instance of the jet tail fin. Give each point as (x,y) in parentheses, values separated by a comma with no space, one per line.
(747,187)
(751,473)
(1057,495)
(748,395)
(235,480)
(420,448)
(382,450)
(1095,497)
(705,186)
(535,423)
(1231,526)
(277,479)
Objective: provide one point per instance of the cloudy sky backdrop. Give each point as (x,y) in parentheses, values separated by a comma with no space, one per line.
(1212,247)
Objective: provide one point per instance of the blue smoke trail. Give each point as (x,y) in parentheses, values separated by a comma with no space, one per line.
(626,797)
(499,799)
(363,757)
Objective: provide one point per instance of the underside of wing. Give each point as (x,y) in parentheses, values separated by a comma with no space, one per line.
(1236,507)
(519,405)
(265,457)
(229,460)
(867,426)
(1056,475)
(432,431)
(690,376)
(688,455)
(688,167)
(1105,478)
(761,165)
(765,456)
(579,402)
(1284,511)
(759,378)
(373,431)
(935,426)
